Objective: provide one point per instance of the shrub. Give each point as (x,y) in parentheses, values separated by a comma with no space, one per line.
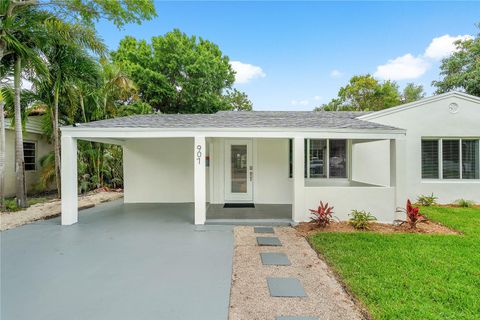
(427,200)
(11,205)
(464,203)
(323,215)
(360,220)
(413,215)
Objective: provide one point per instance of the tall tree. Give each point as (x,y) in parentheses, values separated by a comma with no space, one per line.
(461,71)
(365,93)
(239,101)
(2,152)
(176,73)
(412,92)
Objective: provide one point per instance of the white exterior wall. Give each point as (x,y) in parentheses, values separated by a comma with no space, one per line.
(31,177)
(433,119)
(379,201)
(271,184)
(371,162)
(158,170)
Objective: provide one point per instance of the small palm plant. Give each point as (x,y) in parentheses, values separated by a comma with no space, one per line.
(413,215)
(323,215)
(464,203)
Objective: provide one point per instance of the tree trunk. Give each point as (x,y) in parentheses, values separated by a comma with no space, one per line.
(2,155)
(19,159)
(56,137)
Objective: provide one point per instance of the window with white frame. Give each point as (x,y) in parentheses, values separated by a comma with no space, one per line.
(30,155)
(324,158)
(450,158)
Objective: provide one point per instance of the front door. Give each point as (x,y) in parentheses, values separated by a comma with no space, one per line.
(238,171)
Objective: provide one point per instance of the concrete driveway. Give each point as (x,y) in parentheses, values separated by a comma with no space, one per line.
(135,261)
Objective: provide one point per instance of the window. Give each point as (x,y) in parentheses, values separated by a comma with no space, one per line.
(323,158)
(470,161)
(318,158)
(338,159)
(29,156)
(430,159)
(450,159)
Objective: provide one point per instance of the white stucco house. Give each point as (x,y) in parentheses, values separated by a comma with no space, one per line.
(366,161)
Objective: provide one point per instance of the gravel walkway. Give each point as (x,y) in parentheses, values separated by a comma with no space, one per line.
(250,298)
(9,220)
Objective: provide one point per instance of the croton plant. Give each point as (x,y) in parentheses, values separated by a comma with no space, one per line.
(323,215)
(413,215)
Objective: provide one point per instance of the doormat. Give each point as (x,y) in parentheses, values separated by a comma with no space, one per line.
(239,205)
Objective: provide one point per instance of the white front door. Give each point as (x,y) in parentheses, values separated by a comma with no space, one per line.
(238,171)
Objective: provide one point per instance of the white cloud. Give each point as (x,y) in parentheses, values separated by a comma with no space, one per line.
(409,66)
(401,68)
(317,98)
(443,46)
(304,102)
(246,72)
(336,74)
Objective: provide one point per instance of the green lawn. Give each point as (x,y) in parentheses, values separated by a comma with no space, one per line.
(412,276)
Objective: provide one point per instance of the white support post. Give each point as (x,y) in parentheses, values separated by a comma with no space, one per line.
(69,180)
(398,159)
(298,179)
(199,179)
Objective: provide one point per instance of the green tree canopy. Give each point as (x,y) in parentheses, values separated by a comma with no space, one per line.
(239,101)
(461,71)
(365,93)
(177,73)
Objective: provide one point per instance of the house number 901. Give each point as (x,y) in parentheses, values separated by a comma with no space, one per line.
(199,153)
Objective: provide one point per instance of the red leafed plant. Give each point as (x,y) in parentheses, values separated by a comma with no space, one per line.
(413,215)
(323,215)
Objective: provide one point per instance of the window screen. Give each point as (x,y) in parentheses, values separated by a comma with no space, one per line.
(470,159)
(430,159)
(451,159)
(338,158)
(29,156)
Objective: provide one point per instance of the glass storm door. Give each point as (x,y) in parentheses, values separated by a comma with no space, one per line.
(238,170)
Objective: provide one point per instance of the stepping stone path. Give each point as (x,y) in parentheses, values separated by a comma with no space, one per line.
(280,287)
(275,258)
(285,287)
(269,241)
(263,230)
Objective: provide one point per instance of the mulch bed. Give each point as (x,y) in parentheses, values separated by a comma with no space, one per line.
(429,227)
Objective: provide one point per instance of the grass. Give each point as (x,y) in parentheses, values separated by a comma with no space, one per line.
(412,276)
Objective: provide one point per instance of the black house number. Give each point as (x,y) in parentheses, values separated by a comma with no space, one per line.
(199,153)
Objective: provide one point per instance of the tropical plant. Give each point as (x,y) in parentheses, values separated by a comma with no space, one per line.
(413,216)
(427,200)
(464,203)
(323,215)
(360,220)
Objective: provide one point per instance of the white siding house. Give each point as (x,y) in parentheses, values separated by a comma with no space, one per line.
(366,161)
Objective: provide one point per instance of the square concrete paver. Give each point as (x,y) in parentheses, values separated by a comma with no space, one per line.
(268,241)
(296,318)
(263,230)
(285,287)
(275,258)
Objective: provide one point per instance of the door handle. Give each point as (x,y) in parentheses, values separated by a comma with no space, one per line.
(251,175)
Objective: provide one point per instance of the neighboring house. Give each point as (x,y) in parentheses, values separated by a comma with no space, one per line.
(35,146)
(366,161)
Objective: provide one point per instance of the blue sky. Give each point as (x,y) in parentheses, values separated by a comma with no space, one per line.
(296,55)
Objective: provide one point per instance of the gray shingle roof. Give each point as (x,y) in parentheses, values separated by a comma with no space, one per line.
(243,119)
